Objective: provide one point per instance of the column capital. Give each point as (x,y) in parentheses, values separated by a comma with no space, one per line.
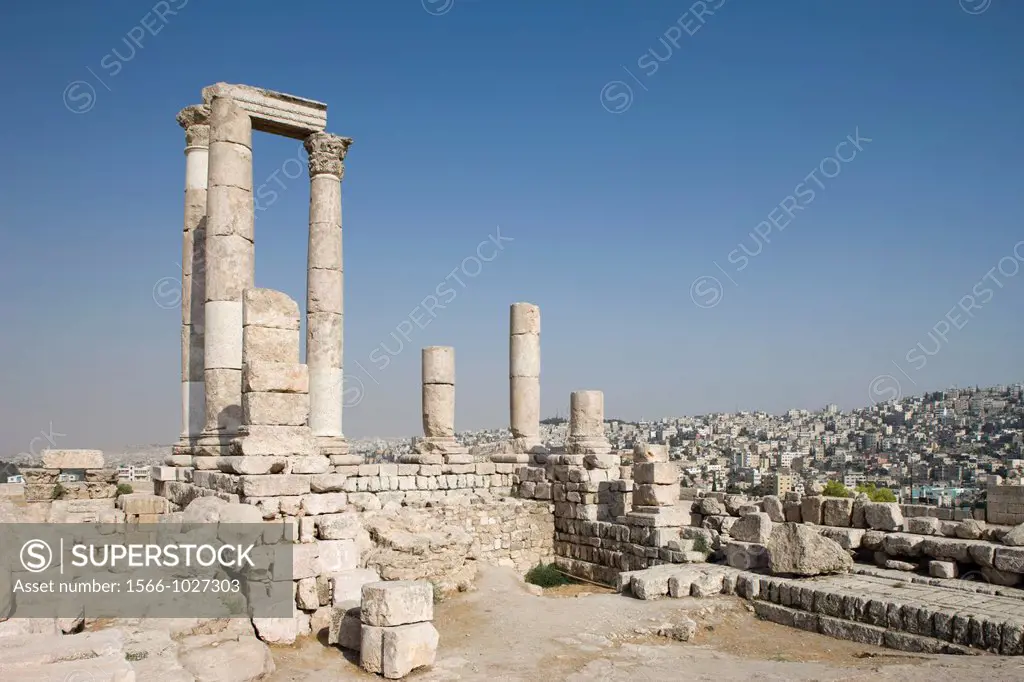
(195,119)
(327,154)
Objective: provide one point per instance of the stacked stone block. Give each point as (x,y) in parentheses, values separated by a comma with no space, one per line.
(396,633)
(524,384)
(274,437)
(44,484)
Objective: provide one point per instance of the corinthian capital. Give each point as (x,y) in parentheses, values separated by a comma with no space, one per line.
(327,153)
(195,120)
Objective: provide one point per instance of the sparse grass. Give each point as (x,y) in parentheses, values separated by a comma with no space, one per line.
(700,544)
(59,492)
(439,595)
(547,575)
(124,489)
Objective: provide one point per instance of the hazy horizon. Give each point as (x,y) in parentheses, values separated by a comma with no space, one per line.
(640,174)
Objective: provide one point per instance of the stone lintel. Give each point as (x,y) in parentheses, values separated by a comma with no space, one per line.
(272,112)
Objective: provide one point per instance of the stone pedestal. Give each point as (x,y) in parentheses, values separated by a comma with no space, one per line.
(324,291)
(195,121)
(229,271)
(439,409)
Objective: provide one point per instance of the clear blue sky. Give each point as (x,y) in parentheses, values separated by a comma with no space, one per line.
(490,113)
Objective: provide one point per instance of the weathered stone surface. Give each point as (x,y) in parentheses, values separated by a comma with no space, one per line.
(857,517)
(650,494)
(903,544)
(811,508)
(398,602)
(942,569)
(655,472)
(733,503)
(709,506)
(73,459)
(646,452)
(1015,537)
(371,648)
(275,485)
(408,647)
(261,376)
(269,308)
(836,511)
(970,529)
(745,556)
(252,465)
(883,516)
(796,549)
(755,528)
(1010,559)
(774,509)
(848,538)
(347,586)
(345,628)
(923,525)
(275,409)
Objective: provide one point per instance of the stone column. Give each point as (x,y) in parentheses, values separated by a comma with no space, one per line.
(195,120)
(524,376)
(586,438)
(230,269)
(439,409)
(325,306)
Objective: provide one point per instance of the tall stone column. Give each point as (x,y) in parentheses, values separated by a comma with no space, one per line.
(325,304)
(438,443)
(195,120)
(524,377)
(230,269)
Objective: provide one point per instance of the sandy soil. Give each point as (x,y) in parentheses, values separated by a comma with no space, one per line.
(580,633)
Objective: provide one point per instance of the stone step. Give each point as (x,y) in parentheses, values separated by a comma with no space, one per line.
(905,613)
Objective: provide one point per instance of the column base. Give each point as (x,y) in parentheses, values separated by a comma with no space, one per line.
(209,445)
(450,449)
(588,445)
(336,447)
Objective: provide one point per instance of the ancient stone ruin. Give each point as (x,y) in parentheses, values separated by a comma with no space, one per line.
(375,542)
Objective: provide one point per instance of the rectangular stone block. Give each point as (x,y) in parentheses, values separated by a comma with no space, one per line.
(280,409)
(252,466)
(267,345)
(398,602)
(337,556)
(653,494)
(371,648)
(309,464)
(314,504)
(275,485)
(655,472)
(256,440)
(262,376)
(407,647)
(143,503)
(347,586)
(73,459)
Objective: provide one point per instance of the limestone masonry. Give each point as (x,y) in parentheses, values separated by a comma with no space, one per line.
(262,441)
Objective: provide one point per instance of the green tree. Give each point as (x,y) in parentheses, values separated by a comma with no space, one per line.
(835,489)
(876,494)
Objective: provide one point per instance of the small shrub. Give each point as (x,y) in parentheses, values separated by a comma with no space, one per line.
(547,575)
(877,494)
(700,544)
(835,489)
(124,489)
(59,492)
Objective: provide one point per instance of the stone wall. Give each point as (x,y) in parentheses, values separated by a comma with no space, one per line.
(1005,504)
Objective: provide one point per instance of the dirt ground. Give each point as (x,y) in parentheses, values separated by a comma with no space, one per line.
(501,631)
